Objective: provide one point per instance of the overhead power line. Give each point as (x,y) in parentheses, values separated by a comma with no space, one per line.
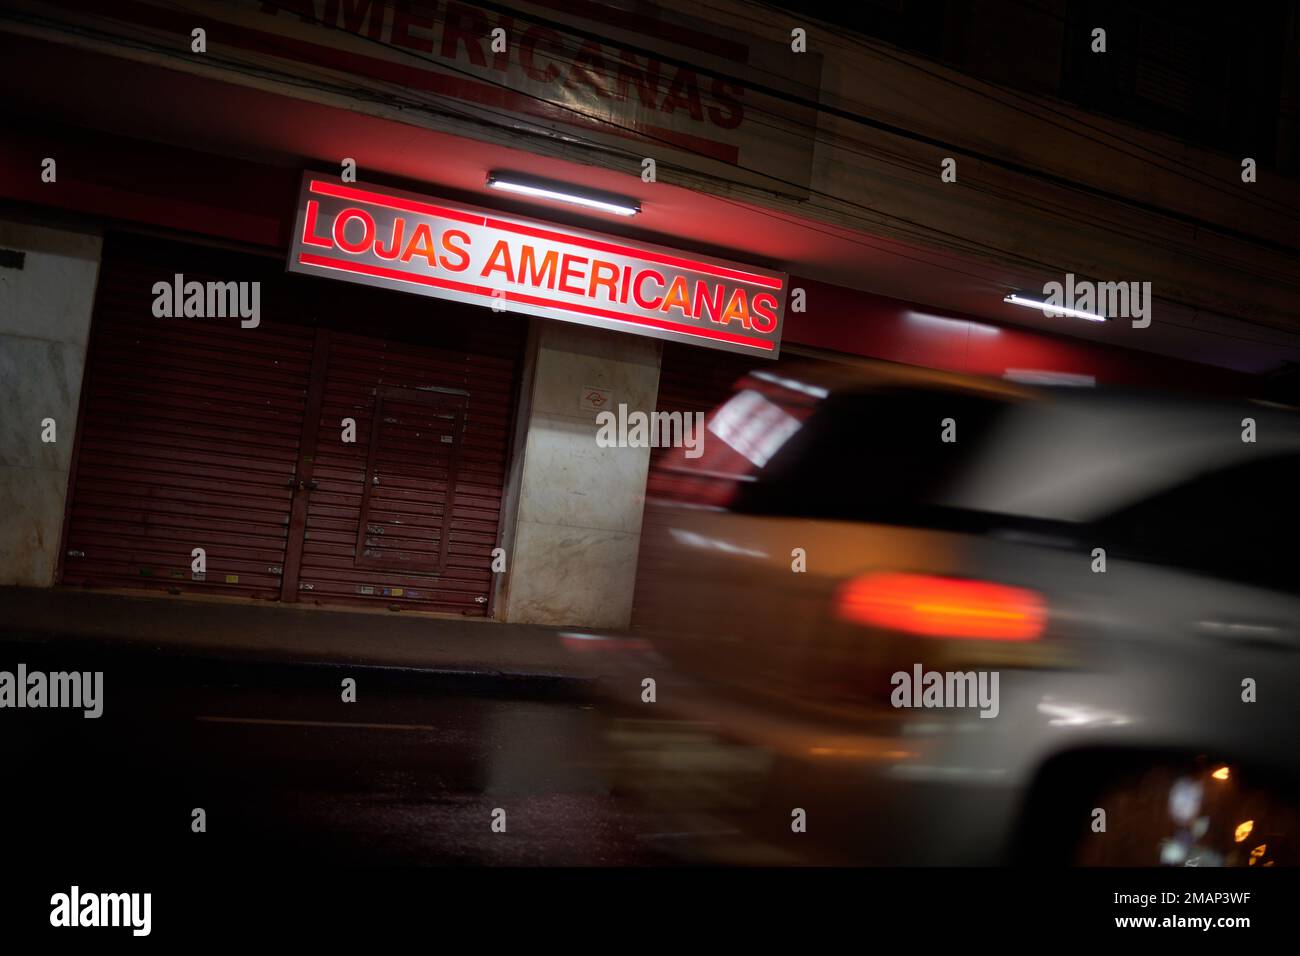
(895,130)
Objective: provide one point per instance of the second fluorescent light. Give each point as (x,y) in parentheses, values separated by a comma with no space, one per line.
(1016,299)
(560,192)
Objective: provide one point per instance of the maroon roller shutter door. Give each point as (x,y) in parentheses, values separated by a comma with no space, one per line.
(188,436)
(193,435)
(433,429)
(690,380)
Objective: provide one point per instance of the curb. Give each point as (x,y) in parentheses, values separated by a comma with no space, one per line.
(146,662)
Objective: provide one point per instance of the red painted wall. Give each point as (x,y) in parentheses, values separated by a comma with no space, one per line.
(861,323)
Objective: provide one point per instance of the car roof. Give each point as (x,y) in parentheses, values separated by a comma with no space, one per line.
(1069,453)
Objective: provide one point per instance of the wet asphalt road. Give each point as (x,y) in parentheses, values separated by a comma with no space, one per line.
(288,773)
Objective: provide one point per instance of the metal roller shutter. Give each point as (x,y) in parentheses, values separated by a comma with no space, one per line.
(435,476)
(690,380)
(188,435)
(195,433)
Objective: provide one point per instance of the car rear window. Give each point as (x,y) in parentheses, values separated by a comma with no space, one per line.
(873,456)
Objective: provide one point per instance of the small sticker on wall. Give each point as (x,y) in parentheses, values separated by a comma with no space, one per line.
(594,398)
(232,578)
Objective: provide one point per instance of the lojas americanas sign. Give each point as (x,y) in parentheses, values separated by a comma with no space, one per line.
(400,240)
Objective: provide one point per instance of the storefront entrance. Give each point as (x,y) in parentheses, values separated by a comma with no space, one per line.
(351,448)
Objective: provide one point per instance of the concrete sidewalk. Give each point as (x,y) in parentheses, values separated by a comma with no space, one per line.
(279,633)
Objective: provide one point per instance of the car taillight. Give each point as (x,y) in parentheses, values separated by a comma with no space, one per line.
(932,606)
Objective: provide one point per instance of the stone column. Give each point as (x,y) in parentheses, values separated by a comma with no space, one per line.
(47,290)
(577,524)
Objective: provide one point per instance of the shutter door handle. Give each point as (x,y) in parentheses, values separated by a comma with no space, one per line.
(308,485)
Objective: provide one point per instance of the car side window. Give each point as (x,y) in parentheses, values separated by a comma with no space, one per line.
(875,456)
(1238,523)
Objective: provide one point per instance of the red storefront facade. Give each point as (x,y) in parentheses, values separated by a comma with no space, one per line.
(205,435)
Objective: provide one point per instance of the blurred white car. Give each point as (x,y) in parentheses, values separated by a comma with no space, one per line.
(846,524)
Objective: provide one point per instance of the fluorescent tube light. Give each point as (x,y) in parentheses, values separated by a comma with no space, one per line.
(542,189)
(1016,299)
